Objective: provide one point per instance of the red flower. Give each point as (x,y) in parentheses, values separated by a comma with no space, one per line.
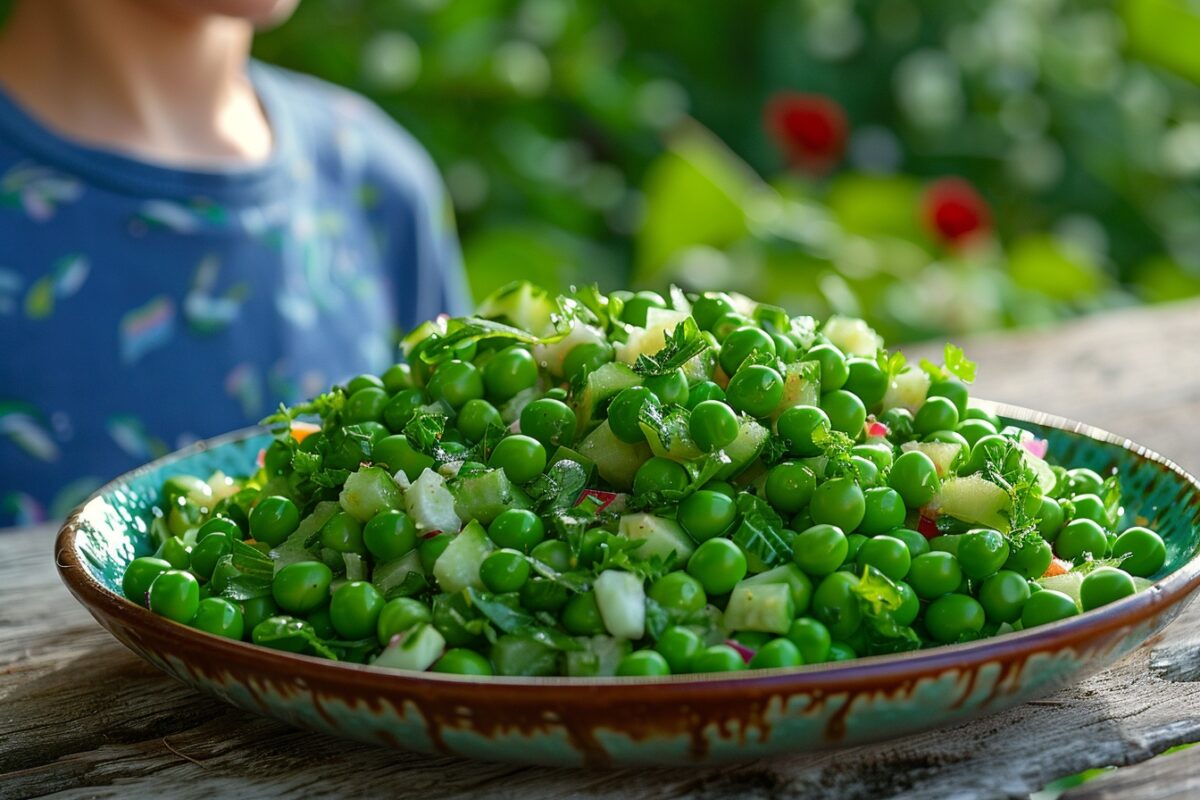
(955,212)
(810,129)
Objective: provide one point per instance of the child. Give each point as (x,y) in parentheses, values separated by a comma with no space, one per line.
(188,238)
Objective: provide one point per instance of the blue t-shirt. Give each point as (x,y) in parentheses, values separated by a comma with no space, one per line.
(143,307)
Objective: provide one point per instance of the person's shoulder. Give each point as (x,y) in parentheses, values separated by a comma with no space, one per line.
(350,133)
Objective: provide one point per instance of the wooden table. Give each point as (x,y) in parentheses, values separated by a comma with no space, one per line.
(82,716)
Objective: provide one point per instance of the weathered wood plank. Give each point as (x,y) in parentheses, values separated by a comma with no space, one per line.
(81,716)
(1173,777)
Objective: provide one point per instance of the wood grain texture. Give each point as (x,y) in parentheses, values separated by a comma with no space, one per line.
(80,716)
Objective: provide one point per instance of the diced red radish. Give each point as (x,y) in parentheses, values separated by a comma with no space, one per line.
(927,525)
(1037,447)
(877,430)
(261,458)
(602,499)
(430,534)
(745,652)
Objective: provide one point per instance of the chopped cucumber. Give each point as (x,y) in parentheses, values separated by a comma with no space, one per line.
(670,437)
(765,607)
(659,537)
(550,356)
(369,491)
(523,305)
(416,648)
(800,584)
(622,601)
(402,577)
(431,504)
(649,340)
(745,448)
(567,454)
(482,497)
(616,461)
(801,386)
(458,565)
(598,658)
(293,548)
(908,390)
(852,336)
(973,499)
(942,454)
(601,386)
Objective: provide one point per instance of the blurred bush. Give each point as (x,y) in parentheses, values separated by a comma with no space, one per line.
(936,165)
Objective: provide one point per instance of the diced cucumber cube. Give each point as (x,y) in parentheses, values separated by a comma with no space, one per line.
(458,565)
(601,385)
(616,461)
(416,648)
(431,504)
(800,584)
(622,602)
(658,536)
(745,448)
(369,491)
(599,658)
(765,607)
(482,497)
(402,577)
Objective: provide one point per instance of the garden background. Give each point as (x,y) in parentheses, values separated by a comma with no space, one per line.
(935,165)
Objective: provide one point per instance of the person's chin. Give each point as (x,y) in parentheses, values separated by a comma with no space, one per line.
(263,13)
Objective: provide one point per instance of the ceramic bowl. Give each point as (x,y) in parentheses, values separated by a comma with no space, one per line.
(673,720)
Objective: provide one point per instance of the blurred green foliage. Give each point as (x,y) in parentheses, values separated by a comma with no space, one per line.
(625,143)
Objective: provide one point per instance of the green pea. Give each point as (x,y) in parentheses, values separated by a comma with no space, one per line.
(1031,559)
(910,605)
(365,405)
(637,307)
(219,525)
(790,486)
(1084,481)
(678,592)
(624,411)
(1105,585)
(981,552)
(718,564)
(1050,518)
(834,370)
(399,615)
(954,618)
(755,390)
(887,554)
(302,586)
(953,390)
(455,382)
(208,552)
(775,654)
(273,520)
(915,477)
(551,422)
(799,425)
(811,638)
(713,425)
(343,533)
(704,390)
(660,475)
(836,604)
(397,378)
(878,454)
(365,381)
(916,542)
(935,414)
(1143,550)
(398,455)
(175,553)
(865,379)
(504,571)
(401,408)
(256,609)
(740,344)
(554,553)
(389,535)
(509,372)
(1045,607)
(670,389)
(175,594)
(679,646)
(517,529)
(475,417)
(355,608)
(283,633)
(139,575)
(1003,595)
(431,547)
(643,663)
(219,617)
(846,412)
(581,615)
(1078,537)
(706,514)
(972,430)
(820,550)
(718,658)
(707,309)
(461,661)
(521,457)
(1090,506)
(585,358)
(934,574)
(839,502)
(883,510)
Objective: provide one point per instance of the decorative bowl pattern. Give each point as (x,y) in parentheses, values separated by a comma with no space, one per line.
(673,720)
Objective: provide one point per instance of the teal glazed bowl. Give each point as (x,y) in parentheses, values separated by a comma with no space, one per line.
(680,719)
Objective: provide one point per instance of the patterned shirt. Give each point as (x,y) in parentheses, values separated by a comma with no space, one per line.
(143,307)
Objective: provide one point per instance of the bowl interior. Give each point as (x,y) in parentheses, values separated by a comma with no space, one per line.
(113,526)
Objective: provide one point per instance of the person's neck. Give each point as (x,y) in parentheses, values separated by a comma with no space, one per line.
(144,77)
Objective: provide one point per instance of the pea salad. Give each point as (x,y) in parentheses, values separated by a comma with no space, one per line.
(638,485)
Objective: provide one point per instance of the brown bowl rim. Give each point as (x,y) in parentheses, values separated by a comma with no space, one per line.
(857,674)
